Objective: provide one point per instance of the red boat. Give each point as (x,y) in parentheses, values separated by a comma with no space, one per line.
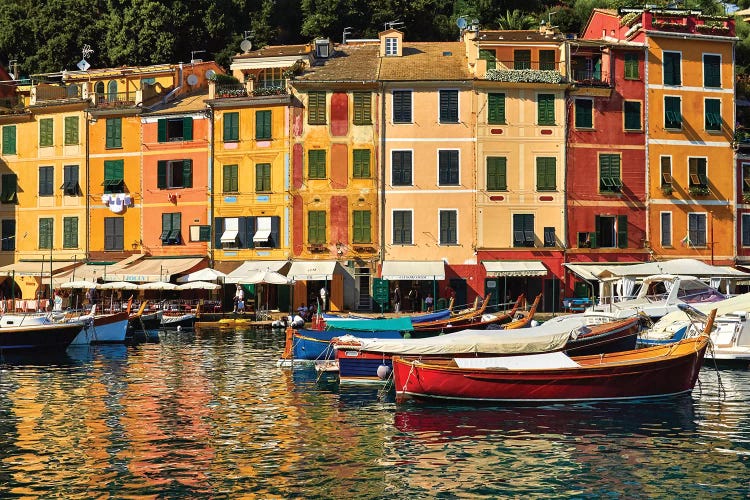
(553,376)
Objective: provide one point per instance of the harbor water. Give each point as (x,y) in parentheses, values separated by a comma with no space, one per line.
(207,414)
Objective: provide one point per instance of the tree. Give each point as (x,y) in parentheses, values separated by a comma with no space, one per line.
(517,20)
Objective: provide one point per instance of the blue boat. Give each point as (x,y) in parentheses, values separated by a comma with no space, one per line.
(420,318)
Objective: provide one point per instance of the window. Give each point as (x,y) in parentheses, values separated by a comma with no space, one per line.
(46,181)
(316,164)
(521,59)
(547,60)
(231,127)
(362,229)
(263,177)
(489,56)
(611,231)
(10,188)
(45,233)
(671,68)
(496,109)
(711,71)
(584,114)
(550,240)
(448,227)
(9,140)
(496,173)
(632,112)
(402,230)
(609,173)
(175,129)
(70,232)
(546,109)
(361,167)
(170,228)
(200,233)
(523,230)
(112,91)
(672,112)
(173,174)
(71,130)
(745,230)
(114,176)
(316,108)
(546,174)
(697,172)
(697,229)
(266,232)
(45,132)
(231,179)
(402,106)
(746,178)
(362,108)
(99,88)
(666,229)
(401,168)
(8,235)
(114,133)
(391,46)
(114,233)
(449,106)
(666,171)
(712,120)
(263,125)
(448,170)
(631,66)
(316,227)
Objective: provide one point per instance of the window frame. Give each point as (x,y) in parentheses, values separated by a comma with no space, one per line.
(46,181)
(609,183)
(9,192)
(448,106)
(167,170)
(399,106)
(72,131)
(317,160)
(675,121)
(7,140)
(169,235)
(448,169)
(233,170)
(114,183)
(263,178)
(403,231)
(46,233)
(586,115)
(708,74)
(113,134)
(522,236)
(696,178)
(451,231)
(263,125)
(520,62)
(700,238)
(547,65)
(70,232)
(669,67)
(316,231)
(391,46)
(403,153)
(500,164)
(166,126)
(362,103)
(543,163)
(666,237)
(631,66)
(664,181)
(8,235)
(496,108)
(316,107)
(628,116)
(745,229)
(230,121)
(46,132)
(361,226)
(361,163)
(114,242)
(712,120)
(545,109)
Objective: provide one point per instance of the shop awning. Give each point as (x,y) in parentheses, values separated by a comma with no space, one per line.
(263,230)
(38,269)
(589,272)
(93,271)
(309,270)
(413,270)
(515,268)
(154,269)
(250,268)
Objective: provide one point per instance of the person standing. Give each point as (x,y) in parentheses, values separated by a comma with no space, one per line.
(323,297)
(428,302)
(239,299)
(397,300)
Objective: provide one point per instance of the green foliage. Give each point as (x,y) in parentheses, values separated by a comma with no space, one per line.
(517,20)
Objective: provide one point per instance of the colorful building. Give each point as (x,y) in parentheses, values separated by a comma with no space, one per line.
(520,165)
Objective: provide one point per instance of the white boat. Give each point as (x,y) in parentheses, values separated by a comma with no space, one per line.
(101,328)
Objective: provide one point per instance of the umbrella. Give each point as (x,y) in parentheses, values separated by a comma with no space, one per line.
(205,274)
(157,285)
(199,285)
(268,277)
(79,284)
(118,285)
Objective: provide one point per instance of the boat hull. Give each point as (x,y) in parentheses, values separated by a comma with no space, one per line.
(105,329)
(56,336)
(654,375)
(312,345)
(181,321)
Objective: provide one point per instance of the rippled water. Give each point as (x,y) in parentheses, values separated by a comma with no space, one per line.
(208,414)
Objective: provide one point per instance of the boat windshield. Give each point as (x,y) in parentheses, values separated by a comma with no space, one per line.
(692,291)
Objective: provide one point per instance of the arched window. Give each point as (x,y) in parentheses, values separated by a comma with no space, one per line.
(99,88)
(112,91)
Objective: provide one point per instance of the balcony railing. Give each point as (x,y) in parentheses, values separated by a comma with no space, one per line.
(115,100)
(231,90)
(524,76)
(46,92)
(589,77)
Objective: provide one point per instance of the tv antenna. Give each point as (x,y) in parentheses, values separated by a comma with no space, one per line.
(246,45)
(83,64)
(192,55)
(393,25)
(347,31)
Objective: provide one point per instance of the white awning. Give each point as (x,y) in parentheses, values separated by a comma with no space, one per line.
(250,268)
(263,229)
(154,269)
(589,272)
(93,271)
(413,270)
(38,269)
(510,268)
(231,230)
(308,270)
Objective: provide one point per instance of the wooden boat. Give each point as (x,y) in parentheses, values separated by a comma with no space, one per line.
(47,336)
(176,320)
(418,318)
(554,377)
(110,328)
(369,360)
(466,319)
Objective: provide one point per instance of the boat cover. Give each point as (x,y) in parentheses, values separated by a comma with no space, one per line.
(664,328)
(542,338)
(543,361)
(370,325)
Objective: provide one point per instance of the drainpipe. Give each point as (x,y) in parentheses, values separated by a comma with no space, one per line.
(383,154)
(211,186)
(174,92)
(87,164)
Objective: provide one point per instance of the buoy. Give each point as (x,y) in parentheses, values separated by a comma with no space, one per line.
(179,328)
(384,371)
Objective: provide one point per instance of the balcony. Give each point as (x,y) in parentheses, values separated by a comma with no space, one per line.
(684,22)
(47,93)
(590,77)
(115,100)
(231,90)
(524,76)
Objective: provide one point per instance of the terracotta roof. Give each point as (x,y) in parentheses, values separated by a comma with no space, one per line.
(517,36)
(277,50)
(188,104)
(352,62)
(427,61)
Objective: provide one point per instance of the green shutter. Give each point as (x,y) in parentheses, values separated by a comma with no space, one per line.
(316,226)
(231,124)
(45,233)
(496,173)
(673,115)
(547,60)
(622,231)
(711,71)
(584,111)
(187,173)
(672,69)
(631,66)
(362,229)
(713,114)
(546,174)
(316,164)
(361,167)
(114,133)
(161,128)
(521,59)
(546,109)
(632,111)
(161,174)
(262,124)
(263,177)
(230,184)
(9,140)
(316,108)
(362,108)
(187,129)
(71,130)
(489,56)
(448,106)
(46,137)
(496,109)
(204,233)
(70,232)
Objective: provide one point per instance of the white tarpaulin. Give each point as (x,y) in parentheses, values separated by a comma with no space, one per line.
(154,269)
(413,270)
(683,267)
(544,361)
(510,268)
(308,270)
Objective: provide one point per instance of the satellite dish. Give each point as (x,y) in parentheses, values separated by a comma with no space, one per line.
(461,23)
(192,79)
(246,45)
(210,74)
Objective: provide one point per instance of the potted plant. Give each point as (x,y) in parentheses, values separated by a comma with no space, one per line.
(746,197)
(667,189)
(698,190)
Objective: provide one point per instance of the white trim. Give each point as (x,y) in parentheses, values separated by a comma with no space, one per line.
(662,67)
(664,116)
(434,191)
(437,178)
(661,229)
(688,167)
(705,235)
(458,106)
(175,116)
(390,169)
(703,69)
(688,90)
(458,240)
(702,203)
(410,210)
(668,142)
(704,114)
(431,139)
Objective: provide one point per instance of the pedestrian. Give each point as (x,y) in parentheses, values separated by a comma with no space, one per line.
(323,297)
(428,302)
(397,300)
(57,301)
(239,299)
